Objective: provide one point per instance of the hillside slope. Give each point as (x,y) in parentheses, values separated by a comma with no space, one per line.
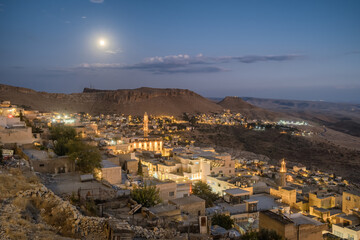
(124,101)
(343,117)
(236,104)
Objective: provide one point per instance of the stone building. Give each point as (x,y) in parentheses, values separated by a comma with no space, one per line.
(53,165)
(147,144)
(346,232)
(169,190)
(350,201)
(12,130)
(111,172)
(292,227)
(324,200)
(118,230)
(192,205)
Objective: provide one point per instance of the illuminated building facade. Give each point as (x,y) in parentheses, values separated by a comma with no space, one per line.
(146,125)
(283,173)
(146,144)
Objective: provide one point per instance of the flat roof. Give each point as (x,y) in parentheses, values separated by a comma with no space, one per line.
(108,164)
(265,202)
(34,154)
(300,219)
(288,188)
(278,217)
(354,227)
(236,191)
(187,200)
(233,209)
(350,217)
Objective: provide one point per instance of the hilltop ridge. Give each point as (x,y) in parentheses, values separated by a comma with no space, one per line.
(155,101)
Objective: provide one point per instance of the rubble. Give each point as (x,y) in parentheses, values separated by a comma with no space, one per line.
(155,233)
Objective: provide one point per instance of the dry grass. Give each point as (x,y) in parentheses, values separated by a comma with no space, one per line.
(13,182)
(52,215)
(32,217)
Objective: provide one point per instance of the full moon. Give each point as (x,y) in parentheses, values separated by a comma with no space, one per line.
(102,43)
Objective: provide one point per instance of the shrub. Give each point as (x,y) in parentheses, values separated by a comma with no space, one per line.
(222,220)
(148,196)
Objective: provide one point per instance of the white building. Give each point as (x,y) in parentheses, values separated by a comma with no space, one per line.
(347,232)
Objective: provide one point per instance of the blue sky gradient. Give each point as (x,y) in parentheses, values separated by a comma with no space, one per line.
(306,50)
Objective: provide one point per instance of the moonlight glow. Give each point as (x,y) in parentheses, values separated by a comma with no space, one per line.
(102,43)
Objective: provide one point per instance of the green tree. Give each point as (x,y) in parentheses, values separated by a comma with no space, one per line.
(148,196)
(61,135)
(60,131)
(263,234)
(222,220)
(140,170)
(203,190)
(60,147)
(87,158)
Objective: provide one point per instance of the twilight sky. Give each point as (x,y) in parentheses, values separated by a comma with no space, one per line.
(287,49)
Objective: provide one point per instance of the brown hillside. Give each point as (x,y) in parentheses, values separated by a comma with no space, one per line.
(124,101)
(343,117)
(236,104)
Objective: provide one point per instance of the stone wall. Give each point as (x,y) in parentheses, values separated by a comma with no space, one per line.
(80,225)
(85,226)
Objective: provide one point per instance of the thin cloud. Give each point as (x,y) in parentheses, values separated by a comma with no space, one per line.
(184,63)
(95,66)
(209,69)
(83,17)
(113,52)
(97,1)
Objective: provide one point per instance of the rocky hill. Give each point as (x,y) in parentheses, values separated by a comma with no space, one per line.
(126,101)
(236,104)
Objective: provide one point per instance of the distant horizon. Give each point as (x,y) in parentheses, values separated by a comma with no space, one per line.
(208,97)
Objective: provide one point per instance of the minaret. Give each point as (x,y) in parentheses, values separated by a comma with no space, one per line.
(283,173)
(146,123)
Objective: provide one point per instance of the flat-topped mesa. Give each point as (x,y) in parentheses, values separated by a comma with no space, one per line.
(139,94)
(155,101)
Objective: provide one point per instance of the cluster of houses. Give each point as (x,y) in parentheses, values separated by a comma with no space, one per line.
(295,202)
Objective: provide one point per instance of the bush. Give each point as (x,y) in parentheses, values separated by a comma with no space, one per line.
(62,135)
(87,158)
(263,234)
(147,196)
(222,220)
